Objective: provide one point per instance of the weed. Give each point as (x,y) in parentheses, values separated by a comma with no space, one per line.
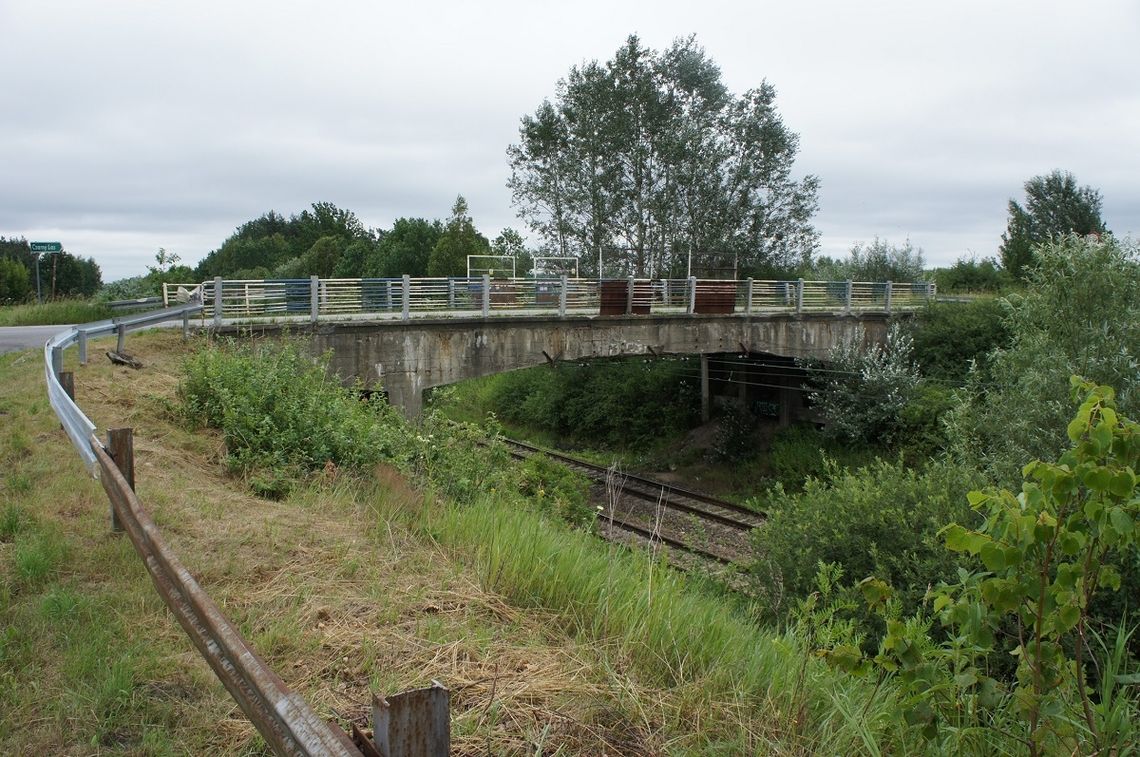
(39,554)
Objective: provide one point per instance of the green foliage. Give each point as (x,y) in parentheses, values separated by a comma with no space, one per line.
(60,311)
(647,156)
(15,282)
(948,336)
(458,240)
(1039,558)
(1055,206)
(882,261)
(861,389)
(735,432)
(801,452)
(620,403)
(406,248)
(879,520)
(557,489)
(1080,314)
(281,414)
(972,276)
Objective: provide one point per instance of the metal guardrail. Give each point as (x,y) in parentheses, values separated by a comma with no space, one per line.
(314,299)
(289,726)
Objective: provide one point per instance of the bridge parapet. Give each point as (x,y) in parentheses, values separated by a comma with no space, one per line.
(406,298)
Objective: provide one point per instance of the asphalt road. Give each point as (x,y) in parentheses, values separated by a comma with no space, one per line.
(14,338)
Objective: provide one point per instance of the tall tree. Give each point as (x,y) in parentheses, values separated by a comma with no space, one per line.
(405,248)
(1054,206)
(459,239)
(647,159)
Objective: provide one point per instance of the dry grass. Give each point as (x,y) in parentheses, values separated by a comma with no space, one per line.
(328,586)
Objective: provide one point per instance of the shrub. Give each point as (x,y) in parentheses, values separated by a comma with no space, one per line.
(879,520)
(949,335)
(280,412)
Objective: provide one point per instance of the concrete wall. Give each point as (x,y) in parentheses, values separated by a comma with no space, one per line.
(406,357)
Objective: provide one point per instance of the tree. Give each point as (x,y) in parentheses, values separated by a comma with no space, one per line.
(510,244)
(1054,206)
(459,239)
(406,248)
(1080,314)
(883,261)
(647,159)
(15,283)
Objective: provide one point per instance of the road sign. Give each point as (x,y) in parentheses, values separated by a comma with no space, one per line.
(47,247)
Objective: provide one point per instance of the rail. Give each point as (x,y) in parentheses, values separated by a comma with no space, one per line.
(286,722)
(403,298)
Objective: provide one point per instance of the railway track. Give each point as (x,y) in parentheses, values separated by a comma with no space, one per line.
(679,518)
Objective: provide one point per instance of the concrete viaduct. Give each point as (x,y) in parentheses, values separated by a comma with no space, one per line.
(407,357)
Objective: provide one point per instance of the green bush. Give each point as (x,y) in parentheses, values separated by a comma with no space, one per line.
(801,452)
(557,489)
(620,403)
(280,413)
(949,335)
(879,520)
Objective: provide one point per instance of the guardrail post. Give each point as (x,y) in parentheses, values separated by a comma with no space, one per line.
(314,298)
(890,286)
(799,296)
(692,306)
(121,448)
(850,288)
(562,298)
(67,382)
(217,300)
(748,301)
(486,295)
(406,297)
(186,325)
(629,295)
(121,332)
(82,347)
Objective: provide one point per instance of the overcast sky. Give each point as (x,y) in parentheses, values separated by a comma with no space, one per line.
(129,126)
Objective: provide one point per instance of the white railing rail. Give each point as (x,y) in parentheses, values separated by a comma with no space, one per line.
(316,299)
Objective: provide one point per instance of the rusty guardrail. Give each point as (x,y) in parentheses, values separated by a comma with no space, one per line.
(410,723)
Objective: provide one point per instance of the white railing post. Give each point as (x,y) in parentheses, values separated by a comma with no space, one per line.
(890,286)
(748,301)
(799,296)
(406,297)
(486,294)
(629,295)
(562,298)
(314,298)
(217,300)
(850,287)
(692,307)
(450,293)
(931,287)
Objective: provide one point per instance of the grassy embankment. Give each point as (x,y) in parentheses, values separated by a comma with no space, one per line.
(59,311)
(549,640)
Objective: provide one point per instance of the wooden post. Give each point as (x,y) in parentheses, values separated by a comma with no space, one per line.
(67,381)
(121,448)
(121,330)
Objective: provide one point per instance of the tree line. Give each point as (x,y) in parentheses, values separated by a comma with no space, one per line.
(61,274)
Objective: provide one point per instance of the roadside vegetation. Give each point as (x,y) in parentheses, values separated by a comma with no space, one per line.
(58,311)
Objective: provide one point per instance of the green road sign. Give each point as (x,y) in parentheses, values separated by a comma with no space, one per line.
(47,247)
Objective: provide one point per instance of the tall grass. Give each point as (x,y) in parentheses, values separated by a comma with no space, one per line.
(54,312)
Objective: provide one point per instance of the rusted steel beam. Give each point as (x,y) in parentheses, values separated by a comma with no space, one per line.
(287,723)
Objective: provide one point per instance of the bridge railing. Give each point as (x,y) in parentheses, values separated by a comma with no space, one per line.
(406,297)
